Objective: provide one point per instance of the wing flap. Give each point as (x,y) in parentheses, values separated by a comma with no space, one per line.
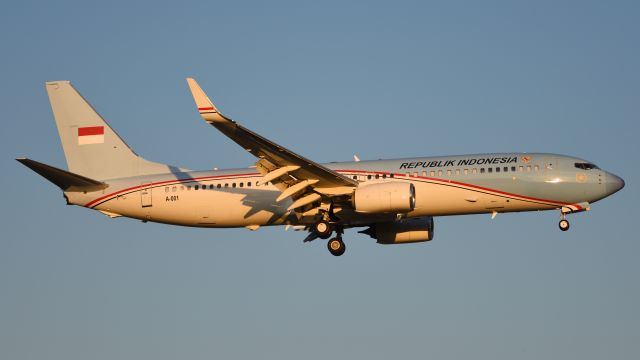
(295,189)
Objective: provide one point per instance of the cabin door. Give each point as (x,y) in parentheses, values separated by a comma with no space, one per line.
(145,195)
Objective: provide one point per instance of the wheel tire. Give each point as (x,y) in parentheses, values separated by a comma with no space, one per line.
(336,247)
(564,225)
(322,229)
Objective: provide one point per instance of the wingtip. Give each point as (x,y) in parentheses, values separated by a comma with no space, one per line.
(206,108)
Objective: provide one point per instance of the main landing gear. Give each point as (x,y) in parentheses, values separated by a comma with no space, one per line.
(336,246)
(324,229)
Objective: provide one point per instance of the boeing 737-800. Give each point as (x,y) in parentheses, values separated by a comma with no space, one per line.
(394,200)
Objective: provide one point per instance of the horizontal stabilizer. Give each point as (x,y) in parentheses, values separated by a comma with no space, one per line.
(65,180)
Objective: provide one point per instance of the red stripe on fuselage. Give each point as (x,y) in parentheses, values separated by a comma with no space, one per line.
(444,182)
(435,180)
(167,182)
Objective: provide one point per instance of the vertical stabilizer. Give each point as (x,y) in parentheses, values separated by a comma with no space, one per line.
(91,147)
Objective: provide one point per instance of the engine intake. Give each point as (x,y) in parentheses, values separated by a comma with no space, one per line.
(388,197)
(402,231)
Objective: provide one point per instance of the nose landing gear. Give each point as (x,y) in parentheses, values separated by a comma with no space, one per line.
(564,223)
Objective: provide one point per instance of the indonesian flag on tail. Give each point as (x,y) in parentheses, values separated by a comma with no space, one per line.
(91,135)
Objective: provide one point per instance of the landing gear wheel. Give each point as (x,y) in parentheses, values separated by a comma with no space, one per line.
(564,225)
(336,246)
(322,229)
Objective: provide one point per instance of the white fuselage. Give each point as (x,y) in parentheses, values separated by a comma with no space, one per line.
(239,198)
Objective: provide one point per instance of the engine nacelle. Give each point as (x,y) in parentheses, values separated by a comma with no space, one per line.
(402,231)
(388,197)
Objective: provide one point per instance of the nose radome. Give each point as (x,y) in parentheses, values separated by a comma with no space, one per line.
(613,183)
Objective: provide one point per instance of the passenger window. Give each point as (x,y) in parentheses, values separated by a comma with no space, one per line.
(528,168)
(211,187)
(415,174)
(448,172)
(506,168)
(498,169)
(439,173)
(219,186)
(355,177)
(536,167)
(174,189)
(368,177)
(166,189)
(188,187)
(226,185)
(433,174)
(458,172)
(521,168)
(490,169)
(384,176)
(241,184)
(391,176)
(233,185)
(424,173)
(182,188)
(474,171)
(513,168)
(196,187)
(466,171)
(248,183)
(377,176)
(481,170)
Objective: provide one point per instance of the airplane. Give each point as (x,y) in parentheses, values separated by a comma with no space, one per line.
(394,200)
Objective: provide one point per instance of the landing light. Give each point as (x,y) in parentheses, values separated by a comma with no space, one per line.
(553,181)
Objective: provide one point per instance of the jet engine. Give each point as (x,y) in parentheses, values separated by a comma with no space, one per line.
(402,231)
(389,197)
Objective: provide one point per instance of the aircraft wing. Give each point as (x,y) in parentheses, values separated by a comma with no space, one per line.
(292,173)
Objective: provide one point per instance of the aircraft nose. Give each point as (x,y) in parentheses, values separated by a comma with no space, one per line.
(613,183)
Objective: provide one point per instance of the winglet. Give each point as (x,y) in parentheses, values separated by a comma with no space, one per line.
(207,110)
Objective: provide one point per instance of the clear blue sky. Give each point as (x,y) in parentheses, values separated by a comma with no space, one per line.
(327,79)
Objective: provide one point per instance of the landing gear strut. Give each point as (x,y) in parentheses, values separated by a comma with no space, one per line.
(564,223)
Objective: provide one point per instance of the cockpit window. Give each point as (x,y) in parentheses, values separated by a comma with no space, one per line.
(586,166)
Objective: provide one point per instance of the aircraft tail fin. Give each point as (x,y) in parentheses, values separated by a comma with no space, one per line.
(91,147)
(65,180)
